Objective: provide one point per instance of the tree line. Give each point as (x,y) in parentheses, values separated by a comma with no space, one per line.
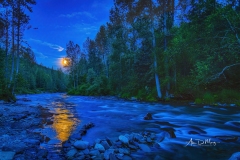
(19,72)
(162,49)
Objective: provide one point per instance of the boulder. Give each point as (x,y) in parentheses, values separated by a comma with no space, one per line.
(86,151)
(89,125)
(105,144)
(123,139)
(120,155)
(170,131)
(148,116)
(107,153)
(138,137)
(42,153)
(149,140)
(94,153)
(124,151)
(76,136)
(32,141)
(81,144)
(153,136)
(144,148)
(112,156)
(99,147)
(71,153)
(66,144)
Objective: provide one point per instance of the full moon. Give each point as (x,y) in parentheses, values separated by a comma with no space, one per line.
(65,62)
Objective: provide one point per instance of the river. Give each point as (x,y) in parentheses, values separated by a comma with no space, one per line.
(202,132)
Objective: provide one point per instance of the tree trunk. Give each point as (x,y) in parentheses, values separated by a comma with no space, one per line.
(18,35)
(165,57)
(6,47)
(13,49)
(13,59)
(157,80)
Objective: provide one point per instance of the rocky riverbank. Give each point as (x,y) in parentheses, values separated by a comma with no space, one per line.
(143,145)
(20,141)
(17,136)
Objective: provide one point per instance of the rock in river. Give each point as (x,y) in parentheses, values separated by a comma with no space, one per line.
(81,144)
(108,152)
(123,139)
(99,147)
(144,148)
(148,116)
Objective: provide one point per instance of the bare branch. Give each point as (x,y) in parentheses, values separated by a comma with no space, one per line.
(222,72)
(233,29)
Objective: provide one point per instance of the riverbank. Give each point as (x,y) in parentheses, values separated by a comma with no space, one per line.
(20,138)
(18,141)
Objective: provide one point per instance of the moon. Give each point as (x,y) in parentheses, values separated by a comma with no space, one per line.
(65,62)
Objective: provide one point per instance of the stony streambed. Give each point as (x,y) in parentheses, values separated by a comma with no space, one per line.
(17,139)
(58,127)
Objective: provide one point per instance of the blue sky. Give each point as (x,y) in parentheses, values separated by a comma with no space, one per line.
(59,21)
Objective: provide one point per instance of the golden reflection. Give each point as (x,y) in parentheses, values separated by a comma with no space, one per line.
(63,124)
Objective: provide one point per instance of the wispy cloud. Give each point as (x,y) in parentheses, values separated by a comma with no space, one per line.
(85,27)
(39,54)
(77,14)
(53,46)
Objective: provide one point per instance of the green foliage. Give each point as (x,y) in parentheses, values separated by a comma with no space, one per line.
(99,86)
(208,98)
(229,96)
(5,93)
(224,96)
(190,59)
(198,101)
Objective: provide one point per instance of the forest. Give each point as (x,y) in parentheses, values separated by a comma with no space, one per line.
(19,71)
(160,50)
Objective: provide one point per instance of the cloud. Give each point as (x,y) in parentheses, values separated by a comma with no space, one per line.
(53,46)
(39,54)
(77,14)
(85,27)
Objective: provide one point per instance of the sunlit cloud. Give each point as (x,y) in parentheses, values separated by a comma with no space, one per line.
(77,14)
(53,46)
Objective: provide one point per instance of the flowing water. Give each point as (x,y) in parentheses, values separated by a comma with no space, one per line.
(202,132)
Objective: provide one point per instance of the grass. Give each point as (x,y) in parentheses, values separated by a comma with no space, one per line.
(224,96)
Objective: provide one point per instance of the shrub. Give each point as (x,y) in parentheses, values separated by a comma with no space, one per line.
(198,101)
(229,96)
(208,98)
